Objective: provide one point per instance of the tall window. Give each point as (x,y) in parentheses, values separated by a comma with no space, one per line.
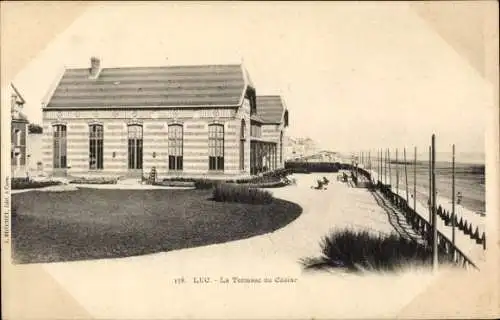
(175,147)
(242,144)
(96,147)
(135,146)
(18,137)
(216,147)
(281,147)
(59,147)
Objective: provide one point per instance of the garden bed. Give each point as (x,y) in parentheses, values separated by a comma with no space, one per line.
(25,183)
(107,223)
(272,179)
(94,180)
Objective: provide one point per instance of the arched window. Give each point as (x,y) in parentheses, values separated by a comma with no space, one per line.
(135,146)
(59,147)
(216,147)
(175,147)
(95,146)
(243,130)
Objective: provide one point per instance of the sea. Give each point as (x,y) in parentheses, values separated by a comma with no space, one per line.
(469,181)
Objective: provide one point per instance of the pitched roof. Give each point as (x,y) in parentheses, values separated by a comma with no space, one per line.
(202,85)
(270,108)
(18,95)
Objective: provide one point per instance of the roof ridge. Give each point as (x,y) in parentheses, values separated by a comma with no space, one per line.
(18,94)
(162,66)
(269,96)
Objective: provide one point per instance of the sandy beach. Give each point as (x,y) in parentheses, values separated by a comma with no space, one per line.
(464,242)
(144,286)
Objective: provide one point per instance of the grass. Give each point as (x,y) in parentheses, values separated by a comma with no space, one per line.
(228,192)
(92,224)
(364,251)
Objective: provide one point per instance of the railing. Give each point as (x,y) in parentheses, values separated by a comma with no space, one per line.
(445,246)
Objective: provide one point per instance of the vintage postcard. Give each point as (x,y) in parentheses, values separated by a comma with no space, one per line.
(250,160)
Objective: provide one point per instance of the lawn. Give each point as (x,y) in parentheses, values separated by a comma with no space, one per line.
(93,224)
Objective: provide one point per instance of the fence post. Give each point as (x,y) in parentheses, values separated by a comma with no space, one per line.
(434,218)
(397,173)
(430,185)
(453,196)
(389,164)
(406,177)
(415,180)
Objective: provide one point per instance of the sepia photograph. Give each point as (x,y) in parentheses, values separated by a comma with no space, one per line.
(250,160)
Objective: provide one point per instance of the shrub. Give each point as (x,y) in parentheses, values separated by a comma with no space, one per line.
(226,192)
(205,184)
(26,183)
(362,250)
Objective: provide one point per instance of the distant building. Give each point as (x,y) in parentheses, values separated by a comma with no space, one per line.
(298,148)
(201,120)
(19,129)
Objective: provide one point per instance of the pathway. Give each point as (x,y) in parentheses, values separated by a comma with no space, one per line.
(143,287)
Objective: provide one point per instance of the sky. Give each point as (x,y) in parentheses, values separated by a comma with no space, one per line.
(354,76)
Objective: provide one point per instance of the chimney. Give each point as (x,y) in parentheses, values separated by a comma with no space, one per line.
(95,67)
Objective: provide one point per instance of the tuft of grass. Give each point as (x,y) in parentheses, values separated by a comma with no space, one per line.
(361,251)
(228,192)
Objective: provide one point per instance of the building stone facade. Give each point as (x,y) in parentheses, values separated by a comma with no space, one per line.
(192,122)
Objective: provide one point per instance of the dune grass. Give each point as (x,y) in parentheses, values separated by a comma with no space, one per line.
(92,224)
(361,251)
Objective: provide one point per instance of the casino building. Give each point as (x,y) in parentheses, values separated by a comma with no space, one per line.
(195,121)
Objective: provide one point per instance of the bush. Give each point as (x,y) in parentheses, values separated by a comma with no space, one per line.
(358,251)
(226,192)
(205,184)
(26,183)
(94,180)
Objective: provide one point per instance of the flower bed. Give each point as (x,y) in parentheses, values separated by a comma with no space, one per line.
(271,179)
(25,183)
(94,180)
(173,183)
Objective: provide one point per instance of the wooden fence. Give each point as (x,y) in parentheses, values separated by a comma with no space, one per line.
(445,246)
